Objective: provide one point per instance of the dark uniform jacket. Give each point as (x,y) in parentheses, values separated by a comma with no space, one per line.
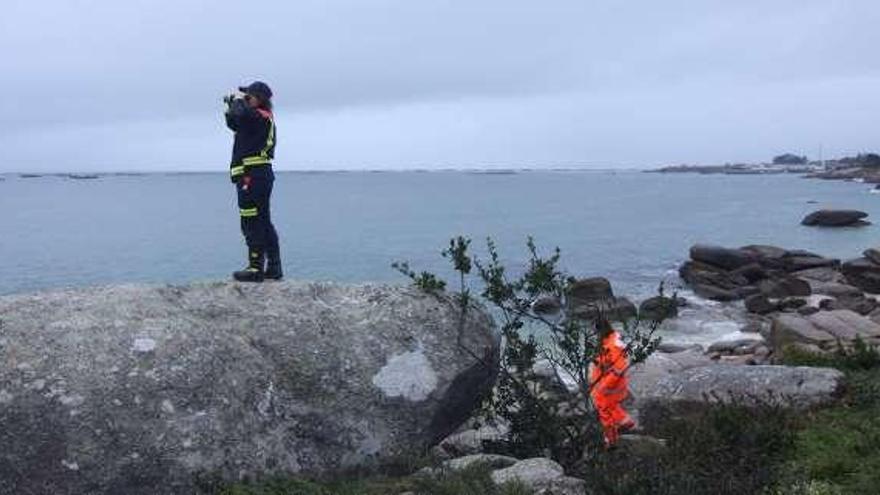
(254,137)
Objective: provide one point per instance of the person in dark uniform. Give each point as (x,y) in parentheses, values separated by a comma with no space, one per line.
(249,116)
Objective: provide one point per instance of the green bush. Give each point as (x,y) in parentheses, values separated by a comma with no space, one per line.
(718,449)
(860,356)
(569,340)
(475,480)
(838,446)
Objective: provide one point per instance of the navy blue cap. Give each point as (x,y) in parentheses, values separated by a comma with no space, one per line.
(257,88)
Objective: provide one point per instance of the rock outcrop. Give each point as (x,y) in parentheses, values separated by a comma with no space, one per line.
(590,297)
(141,390)
(835,218)
(724,274)
(542,476)
(863,273)
(823,331)
(787,386)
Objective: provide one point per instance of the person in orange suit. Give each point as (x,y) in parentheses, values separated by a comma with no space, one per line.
(610,386)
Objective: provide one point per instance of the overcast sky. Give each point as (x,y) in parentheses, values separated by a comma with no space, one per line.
(136,84)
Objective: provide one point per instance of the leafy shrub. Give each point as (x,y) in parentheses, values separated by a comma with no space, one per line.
(475,480)
(560,425)
(719,449)
(837,447)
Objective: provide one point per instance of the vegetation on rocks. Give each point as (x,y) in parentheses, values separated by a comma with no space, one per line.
(837,447)
(748,446)
(473,480)
(541,422)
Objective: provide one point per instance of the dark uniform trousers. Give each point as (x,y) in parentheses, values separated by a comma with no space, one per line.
(254,193)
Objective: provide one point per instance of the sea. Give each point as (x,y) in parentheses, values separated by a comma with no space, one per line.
(634,228)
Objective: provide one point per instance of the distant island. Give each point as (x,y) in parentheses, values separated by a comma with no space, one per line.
(864,167)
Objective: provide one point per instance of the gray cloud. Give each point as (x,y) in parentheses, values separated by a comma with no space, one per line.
(393,83)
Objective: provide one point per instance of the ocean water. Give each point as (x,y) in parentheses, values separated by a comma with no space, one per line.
(634,228)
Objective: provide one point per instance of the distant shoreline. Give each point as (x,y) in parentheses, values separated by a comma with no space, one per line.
(831,170)
(473,171)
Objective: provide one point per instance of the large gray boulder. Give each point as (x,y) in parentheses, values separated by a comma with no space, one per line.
(588,298)
(785,287)
(863,273)
(541,476)
(786,386)
(728,259)
(825,329)
(873,254)
(143,390)
(644,376)
(835,218)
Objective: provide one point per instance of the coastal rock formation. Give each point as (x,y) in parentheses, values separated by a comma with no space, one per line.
(589,297)
(787,386)
(543,476)
(724,274)
(863,273)
(873,255)
(658,308)
(128,388)
(823,331)
(835,218)
(728,259)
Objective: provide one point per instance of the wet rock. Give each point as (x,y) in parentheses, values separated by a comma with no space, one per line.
(801,262)
(769,257)
(863,273)
(791,304)
(546,305)
(753,326)
(835,218)
(831,275)
(759,304)
(859,304)
(658,308)
(727,259)
(835,289)
(711,282)
(125,389)
(590,290)
(615,309)
(753,272)
(785,287)
(590,297)
(873,255)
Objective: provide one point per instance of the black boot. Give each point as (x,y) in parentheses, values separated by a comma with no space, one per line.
(254,270)
(273,269)
(273,258)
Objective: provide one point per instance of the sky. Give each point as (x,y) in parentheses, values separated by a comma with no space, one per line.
(135,85)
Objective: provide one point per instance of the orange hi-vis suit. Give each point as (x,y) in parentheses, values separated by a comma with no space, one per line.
(610,387)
